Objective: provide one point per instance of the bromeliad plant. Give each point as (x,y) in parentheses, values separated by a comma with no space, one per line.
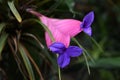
(62,30)
(17,36)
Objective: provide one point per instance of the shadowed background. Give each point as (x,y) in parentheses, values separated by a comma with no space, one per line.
(106,30)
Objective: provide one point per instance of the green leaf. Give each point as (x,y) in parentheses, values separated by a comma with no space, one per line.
(14,11)
(3,39)
(2,26)
(35,38)
(70,4)
(45,27)
(23,53)
(44,50)
(85,51)
(107,63)
(97,44)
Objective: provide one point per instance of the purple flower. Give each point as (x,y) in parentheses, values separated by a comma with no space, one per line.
(86,24)
(65,53)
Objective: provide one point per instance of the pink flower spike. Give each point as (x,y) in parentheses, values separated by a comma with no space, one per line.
(62,29)
(66,26)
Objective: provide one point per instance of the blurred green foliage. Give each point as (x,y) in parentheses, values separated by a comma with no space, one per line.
(23,51)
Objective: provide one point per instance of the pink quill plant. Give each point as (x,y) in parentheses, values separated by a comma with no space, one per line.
(62,30)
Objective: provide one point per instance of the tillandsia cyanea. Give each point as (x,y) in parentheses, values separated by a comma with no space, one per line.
(62,30)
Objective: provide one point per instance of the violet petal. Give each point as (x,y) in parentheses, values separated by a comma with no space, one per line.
(74,51)
(88,31)
(63,60)
(57,47)
(88,19)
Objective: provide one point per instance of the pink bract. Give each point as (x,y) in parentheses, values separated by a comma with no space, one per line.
(61,29)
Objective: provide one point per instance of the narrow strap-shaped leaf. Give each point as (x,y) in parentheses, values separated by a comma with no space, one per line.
(83,54)
(45,27)
(3,39)
(29,56)
(96,43)
(86,52)
(53,40)
(50,34)
(14,11)
(19,63)
(35,38)
(27,63)
(51,37)
(36,66)
(1,26)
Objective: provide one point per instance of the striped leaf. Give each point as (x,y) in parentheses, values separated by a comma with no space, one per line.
(14,11)
(3,39)
(23,53)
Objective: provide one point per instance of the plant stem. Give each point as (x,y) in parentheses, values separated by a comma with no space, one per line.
(59,72)
(87,63)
